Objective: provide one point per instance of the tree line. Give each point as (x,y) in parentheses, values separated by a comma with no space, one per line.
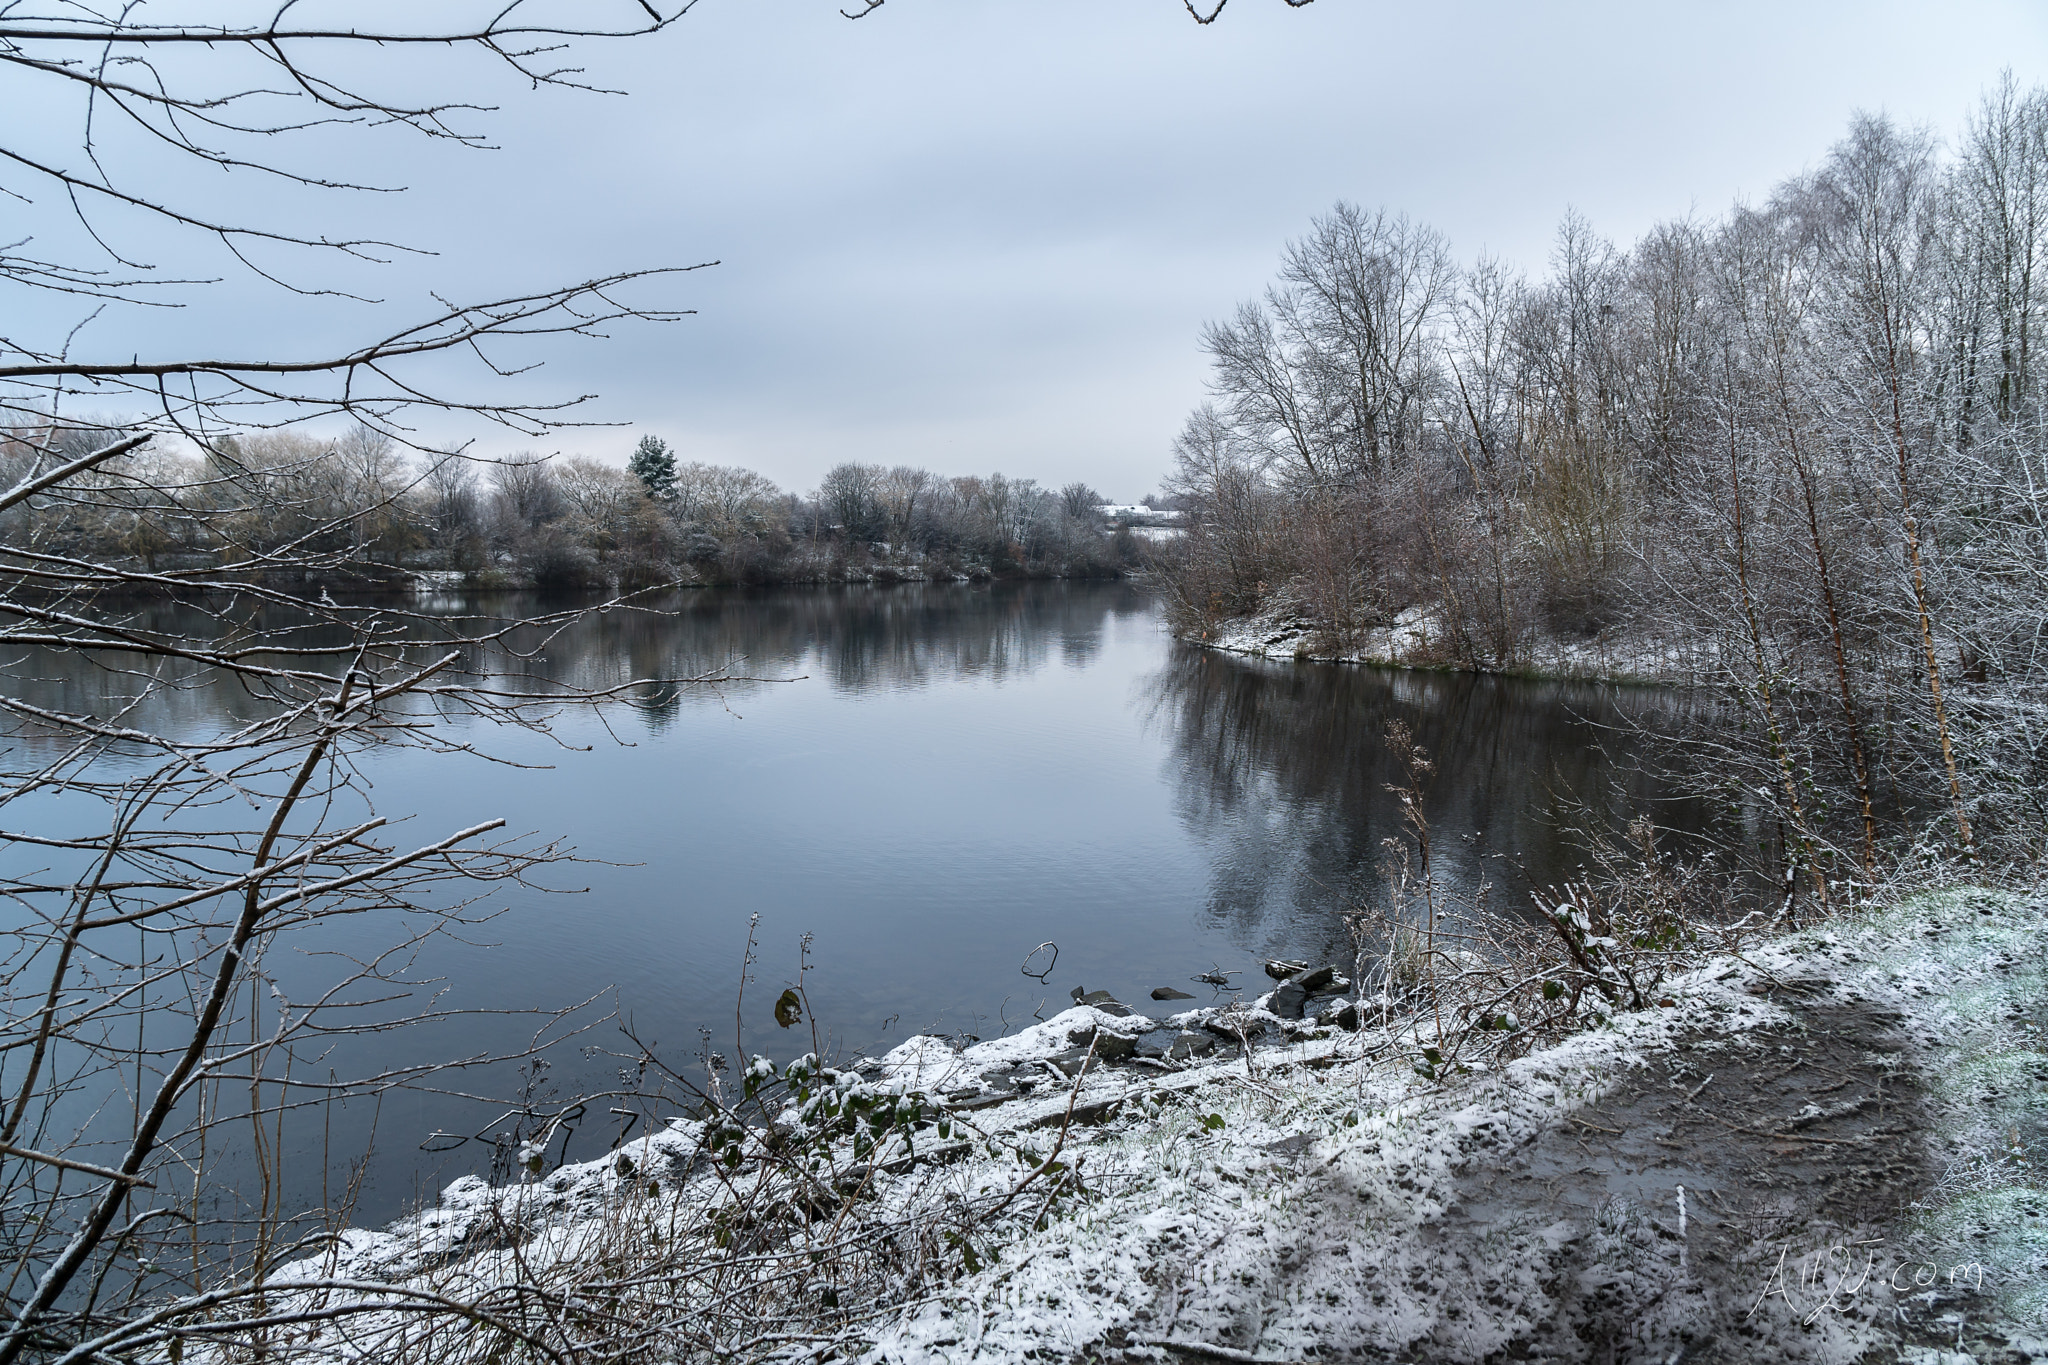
(374,511)
(1796,452)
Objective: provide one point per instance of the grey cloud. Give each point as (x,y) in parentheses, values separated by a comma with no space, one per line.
(985,235)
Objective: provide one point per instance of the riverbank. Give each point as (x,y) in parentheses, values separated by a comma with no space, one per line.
(387,583)
(1823,1148)
(1416,639)
(1855,1114)
(833,571)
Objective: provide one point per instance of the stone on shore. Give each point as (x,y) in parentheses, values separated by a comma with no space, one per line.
(1314,979)
(1174,1044)
(1287,1000)
(1290,998)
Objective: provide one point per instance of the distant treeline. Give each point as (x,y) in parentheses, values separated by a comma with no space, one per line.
(1799,451)
(374,511)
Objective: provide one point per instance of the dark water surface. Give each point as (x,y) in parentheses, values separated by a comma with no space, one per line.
(955,775)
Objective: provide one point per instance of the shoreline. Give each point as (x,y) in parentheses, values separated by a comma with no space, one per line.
(408,584)
(1279,633)
(1875,1083)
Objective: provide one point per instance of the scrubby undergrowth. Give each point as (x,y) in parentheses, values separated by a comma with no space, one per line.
(1854,1113)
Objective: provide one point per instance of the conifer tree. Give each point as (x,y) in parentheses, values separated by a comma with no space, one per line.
(655,466)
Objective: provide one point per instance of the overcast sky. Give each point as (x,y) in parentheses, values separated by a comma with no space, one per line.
(978,235)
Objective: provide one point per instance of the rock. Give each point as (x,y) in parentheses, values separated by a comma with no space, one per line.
(1107,1003)
(1070,1062)
(1314,979)
(1228,1026)
(1157,1043)
(968,1103)
(1174,1044)
(1101,1111)
(1093,1112)
(1288,999)
(1169,993)
(1111,1047)
(1108,1046)
(1280,969)
(1020,1078)
(1345,1016)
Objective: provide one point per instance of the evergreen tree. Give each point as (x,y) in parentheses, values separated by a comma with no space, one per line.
(655,466)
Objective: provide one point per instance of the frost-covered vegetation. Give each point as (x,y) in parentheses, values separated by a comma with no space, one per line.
(1322,1194)
(371,514)
(1796,453)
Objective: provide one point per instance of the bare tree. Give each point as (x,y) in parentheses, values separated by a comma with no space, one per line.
(181,862)
(246,98)
(1796,453)
(851,496)
(1874,214)
(1360,300)
(906,501)
(1080,500)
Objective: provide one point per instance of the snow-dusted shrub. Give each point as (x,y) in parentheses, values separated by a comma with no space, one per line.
(1472,987)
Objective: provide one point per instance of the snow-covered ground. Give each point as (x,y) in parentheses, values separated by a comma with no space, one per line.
(1417,637)
(1823,1149)
(1320,1216)
(1139,512)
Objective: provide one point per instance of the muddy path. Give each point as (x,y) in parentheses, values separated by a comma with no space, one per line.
(1799,1150)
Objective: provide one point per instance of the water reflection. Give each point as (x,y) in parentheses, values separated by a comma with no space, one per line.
(962,773)
(853,639)
(1243,799)
(1284,776)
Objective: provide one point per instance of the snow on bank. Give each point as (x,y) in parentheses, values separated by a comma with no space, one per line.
(1286,1210)
(934,1065)
(1303,1210)
(1311,1196)
(1417,638)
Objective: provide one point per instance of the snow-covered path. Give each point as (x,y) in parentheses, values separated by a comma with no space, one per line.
(1348,1212)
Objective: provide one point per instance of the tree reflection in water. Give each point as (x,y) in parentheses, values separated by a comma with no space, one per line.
(1283,772)
(967,771)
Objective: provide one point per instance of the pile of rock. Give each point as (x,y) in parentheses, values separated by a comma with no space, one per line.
(1301,986)
(1101,1031)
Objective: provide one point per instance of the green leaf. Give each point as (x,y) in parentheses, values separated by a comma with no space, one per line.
(789,1009)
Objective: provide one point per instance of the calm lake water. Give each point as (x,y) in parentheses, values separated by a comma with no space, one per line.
(943,778)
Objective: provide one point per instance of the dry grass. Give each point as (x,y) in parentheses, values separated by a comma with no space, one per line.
(1471,986)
